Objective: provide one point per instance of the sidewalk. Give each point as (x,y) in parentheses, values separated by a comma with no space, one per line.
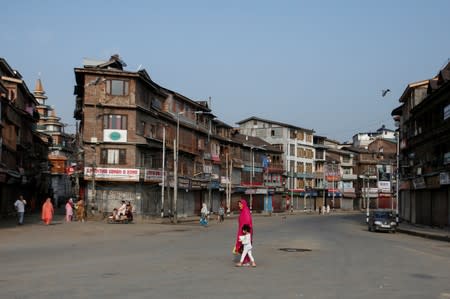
(424,231)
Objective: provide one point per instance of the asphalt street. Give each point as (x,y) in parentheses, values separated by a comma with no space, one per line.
(99,260)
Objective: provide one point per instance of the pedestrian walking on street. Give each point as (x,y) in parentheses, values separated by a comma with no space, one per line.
(80,210)
(20,208)
(246,241)
(69,210)
(47,211)
(221,213)
(204,215)
(245,218)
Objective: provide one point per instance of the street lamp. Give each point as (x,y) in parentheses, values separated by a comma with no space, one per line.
(175,174)
(332,182)
(252,173)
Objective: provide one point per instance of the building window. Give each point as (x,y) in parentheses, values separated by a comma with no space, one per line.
(292,134)
(276,132)
(117,87)
(113,156)
(292,150)
(115,121)
(12,95)
(347,170)
(143,128)
(53,128)
(156,103)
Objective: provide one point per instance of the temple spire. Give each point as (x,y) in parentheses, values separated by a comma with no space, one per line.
(39,91)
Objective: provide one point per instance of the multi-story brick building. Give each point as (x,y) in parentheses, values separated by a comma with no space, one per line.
(135,133)
(375,166)
(424,126)
(23,155)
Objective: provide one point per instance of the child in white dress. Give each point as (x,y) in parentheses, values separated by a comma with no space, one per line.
(246,240)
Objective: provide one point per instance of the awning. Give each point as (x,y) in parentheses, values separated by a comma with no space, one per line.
(215,159)
(385,195)
(349,195)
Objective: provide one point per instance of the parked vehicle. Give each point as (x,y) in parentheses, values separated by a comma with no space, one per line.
(382,220)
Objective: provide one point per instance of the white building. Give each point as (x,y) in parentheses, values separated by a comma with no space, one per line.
(362,140)
(297,145)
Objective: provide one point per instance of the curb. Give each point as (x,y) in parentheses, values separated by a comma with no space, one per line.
(424,235)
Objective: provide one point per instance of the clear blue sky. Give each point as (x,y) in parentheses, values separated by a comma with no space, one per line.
(314,64)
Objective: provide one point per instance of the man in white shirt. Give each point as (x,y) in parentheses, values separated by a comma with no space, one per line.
(20,208)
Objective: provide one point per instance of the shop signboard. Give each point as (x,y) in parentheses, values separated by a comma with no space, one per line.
(153,175)
(419,183)
(113,174)
(444,178)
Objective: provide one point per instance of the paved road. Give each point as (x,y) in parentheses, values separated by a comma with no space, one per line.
(98,260)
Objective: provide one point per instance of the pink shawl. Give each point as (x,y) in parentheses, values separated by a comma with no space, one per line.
(244,218)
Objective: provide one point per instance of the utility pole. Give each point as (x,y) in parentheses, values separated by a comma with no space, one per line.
(163,176)
(175,182)
(292,185)
(251,178)
(176,143)
(230,180)
(397,177)
(304,188)
(226,184)
(333,177)
(325,168)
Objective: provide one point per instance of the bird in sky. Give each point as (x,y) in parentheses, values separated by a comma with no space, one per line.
(384,92)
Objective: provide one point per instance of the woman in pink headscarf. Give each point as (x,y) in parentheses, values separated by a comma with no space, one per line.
(244,218)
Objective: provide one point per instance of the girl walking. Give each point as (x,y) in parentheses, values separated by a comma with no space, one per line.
(246,241)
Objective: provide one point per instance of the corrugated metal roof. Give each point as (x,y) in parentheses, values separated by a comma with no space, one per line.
(274,122)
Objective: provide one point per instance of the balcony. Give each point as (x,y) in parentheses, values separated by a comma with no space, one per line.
(304,175)
(275,168)
(318,175)
(347,163)
(347,177)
